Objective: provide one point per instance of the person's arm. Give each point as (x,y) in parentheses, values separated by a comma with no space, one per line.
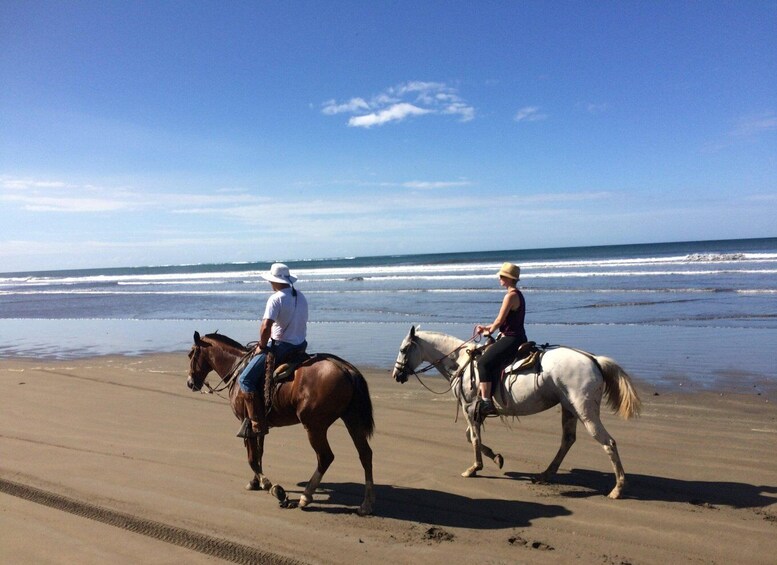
(265,331)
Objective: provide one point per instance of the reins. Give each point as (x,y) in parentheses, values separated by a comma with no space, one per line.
(451,376)
(423,384)
(228,379)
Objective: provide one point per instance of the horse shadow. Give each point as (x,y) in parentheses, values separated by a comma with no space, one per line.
(433,507)
(583,483)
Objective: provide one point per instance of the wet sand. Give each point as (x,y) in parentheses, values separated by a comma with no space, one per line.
(113,459)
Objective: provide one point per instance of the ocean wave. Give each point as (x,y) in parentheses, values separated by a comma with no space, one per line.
(131,291)
(685,265)
(716,257)
(431,270)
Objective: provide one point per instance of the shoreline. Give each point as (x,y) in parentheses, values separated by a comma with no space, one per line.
(666,358)
(123,437)
(741,383)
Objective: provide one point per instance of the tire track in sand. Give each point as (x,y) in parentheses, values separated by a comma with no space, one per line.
(202,543)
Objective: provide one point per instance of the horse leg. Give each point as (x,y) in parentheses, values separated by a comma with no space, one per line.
(487,451)
(474,436)
(568,436)
(594,426)
(365,456)
(320,444)
(255,450)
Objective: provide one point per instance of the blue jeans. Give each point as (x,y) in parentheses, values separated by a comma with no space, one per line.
(251,375)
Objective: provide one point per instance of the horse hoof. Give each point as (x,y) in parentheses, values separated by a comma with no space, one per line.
(499,460)
(471,472)
(253,485)
(278,492)
(265,483)
(304,501)
(365,509)
(615,493)
(540,479)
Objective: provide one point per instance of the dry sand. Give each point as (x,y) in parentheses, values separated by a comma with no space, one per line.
(114,460)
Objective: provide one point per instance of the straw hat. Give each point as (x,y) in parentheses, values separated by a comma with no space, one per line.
(279,273)
(510,271)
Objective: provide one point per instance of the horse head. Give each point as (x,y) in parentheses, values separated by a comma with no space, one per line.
(199,366)
(409,357)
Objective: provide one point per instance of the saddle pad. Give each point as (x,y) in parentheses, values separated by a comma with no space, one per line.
(285,371)
(529,363)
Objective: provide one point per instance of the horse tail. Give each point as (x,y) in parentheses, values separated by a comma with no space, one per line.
(358,414)
(620,392)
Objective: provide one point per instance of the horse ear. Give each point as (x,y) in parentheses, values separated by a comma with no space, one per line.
(412,331)
(196,338)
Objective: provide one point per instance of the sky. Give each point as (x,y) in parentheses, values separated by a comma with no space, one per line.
(141,133)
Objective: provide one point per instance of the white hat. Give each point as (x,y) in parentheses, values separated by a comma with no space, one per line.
(279,273)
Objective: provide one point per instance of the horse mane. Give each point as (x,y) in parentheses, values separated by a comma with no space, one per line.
(440,335)
(226,340)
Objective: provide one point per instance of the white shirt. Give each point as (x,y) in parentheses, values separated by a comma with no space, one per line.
(290,315)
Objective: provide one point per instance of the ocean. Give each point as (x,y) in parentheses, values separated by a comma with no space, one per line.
(692,314)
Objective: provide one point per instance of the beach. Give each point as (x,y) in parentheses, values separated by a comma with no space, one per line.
(112,458)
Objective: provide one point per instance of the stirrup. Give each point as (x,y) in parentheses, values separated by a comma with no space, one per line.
(481,409)
(246,431)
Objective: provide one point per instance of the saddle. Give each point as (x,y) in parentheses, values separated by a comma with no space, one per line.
(285,371)
(527,358)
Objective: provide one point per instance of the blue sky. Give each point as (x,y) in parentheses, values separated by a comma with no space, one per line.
(149,133)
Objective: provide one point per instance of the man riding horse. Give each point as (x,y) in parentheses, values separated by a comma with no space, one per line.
(282,333)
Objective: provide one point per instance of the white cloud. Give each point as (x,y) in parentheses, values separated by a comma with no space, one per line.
(566,196)
(437,184)
(11,183)
(762,197)
(66,204)
(596,108)
(414,98)
(55,196)
(747,129)
(751,126)
(397,112)
(35,195)
(353,105)
(418,86)
(530,114)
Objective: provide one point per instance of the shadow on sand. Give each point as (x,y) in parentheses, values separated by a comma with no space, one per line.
(440,508)
(587,483)
(432,507)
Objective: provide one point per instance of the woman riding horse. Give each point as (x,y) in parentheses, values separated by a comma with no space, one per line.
(510,323)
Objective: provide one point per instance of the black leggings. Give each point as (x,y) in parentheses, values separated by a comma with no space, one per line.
(497,356)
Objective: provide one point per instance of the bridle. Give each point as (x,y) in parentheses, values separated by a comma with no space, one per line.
(224,381)
(401,366)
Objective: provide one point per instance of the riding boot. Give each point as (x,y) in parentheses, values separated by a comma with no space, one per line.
(486,408)
(481,409)
(255,424)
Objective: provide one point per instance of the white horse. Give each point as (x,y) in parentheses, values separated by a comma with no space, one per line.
(572,378)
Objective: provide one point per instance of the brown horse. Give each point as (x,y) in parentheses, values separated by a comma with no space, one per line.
(323,389)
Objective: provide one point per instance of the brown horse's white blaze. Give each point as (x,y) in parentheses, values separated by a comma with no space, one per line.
(324,389)
(576,380)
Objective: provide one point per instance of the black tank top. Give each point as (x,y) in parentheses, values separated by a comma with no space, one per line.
(513,325)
